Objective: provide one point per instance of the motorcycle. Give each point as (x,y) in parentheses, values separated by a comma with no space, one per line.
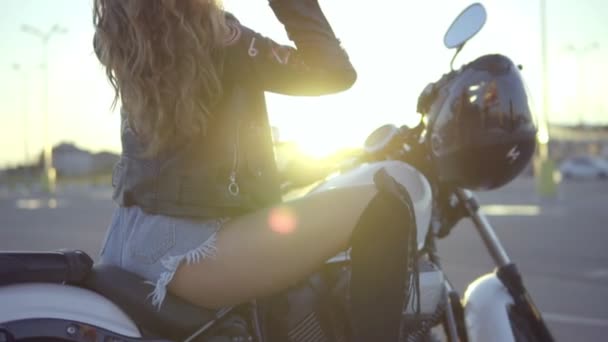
(63,296)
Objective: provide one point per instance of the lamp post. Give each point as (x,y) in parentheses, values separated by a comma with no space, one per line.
(580,53)
(21,72)
(44,37)
(544,140)
(544,167)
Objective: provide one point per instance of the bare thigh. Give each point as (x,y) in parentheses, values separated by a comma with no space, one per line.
(266,251)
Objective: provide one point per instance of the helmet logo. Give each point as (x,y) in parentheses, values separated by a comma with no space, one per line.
(513,154)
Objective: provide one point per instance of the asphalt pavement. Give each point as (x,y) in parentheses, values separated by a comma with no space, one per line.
(559,244)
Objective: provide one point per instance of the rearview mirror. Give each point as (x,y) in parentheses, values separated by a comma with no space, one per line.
(465,26)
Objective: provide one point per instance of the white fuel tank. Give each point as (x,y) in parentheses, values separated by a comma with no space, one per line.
(415,183)
(35,300)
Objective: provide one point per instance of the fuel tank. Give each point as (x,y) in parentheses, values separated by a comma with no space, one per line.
(55,301)
(415,183)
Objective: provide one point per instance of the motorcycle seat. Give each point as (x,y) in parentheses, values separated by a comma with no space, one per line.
(176,319)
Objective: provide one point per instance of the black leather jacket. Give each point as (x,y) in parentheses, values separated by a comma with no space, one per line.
(231,169)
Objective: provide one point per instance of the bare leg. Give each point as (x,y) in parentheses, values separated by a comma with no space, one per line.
(266,251)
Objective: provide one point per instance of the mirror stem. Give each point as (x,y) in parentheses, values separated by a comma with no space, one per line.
(456,54)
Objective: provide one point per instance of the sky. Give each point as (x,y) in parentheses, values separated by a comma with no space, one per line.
(395,45)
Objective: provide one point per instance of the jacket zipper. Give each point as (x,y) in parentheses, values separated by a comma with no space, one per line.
(233,186)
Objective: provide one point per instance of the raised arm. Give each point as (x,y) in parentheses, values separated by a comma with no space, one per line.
(317,66)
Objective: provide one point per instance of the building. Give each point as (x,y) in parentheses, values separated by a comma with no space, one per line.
(71,161)
(568,141)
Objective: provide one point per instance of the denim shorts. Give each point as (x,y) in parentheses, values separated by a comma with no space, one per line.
(153,246)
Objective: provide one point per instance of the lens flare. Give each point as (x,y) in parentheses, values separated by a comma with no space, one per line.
(282,220)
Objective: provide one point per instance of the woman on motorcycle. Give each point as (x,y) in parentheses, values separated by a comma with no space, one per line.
(200,211)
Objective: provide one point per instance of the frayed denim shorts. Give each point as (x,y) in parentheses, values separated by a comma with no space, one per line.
(153,246)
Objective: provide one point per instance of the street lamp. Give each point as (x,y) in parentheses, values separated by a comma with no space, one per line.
(581,53)
(18,68)
(544,168)
(45,37)
(544,129)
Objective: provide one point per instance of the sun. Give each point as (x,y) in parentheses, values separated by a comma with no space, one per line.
(323,125)
(320,126)
(323,146)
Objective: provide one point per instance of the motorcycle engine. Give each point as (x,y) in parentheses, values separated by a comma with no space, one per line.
(433,300)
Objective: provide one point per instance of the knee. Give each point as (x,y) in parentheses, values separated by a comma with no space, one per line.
(386,207)
(386,217)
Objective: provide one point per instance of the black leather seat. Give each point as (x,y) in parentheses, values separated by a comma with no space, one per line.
(176,320)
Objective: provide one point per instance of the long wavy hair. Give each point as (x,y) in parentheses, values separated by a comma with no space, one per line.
(164,60)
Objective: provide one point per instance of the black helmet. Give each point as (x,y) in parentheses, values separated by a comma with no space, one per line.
(480,128)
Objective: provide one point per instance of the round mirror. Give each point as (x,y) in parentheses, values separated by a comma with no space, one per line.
(465,26)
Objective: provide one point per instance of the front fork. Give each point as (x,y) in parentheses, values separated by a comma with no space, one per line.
(506,270)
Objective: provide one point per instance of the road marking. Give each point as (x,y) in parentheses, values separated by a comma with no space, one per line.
(568,319)
(511,210)
(36,203)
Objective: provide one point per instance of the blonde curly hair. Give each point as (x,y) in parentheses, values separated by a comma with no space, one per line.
(164,60)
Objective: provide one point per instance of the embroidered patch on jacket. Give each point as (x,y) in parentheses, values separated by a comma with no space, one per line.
(253,50)
(281,53)
(234,33)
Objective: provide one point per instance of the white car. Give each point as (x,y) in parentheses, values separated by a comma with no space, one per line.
(585,167)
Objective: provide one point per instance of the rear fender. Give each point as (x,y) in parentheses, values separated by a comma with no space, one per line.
(55,301)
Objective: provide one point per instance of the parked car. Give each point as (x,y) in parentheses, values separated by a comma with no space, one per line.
(585,167)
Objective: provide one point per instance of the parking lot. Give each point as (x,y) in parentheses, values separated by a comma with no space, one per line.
(559,243)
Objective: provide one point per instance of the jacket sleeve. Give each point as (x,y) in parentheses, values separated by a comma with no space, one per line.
(318,66)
